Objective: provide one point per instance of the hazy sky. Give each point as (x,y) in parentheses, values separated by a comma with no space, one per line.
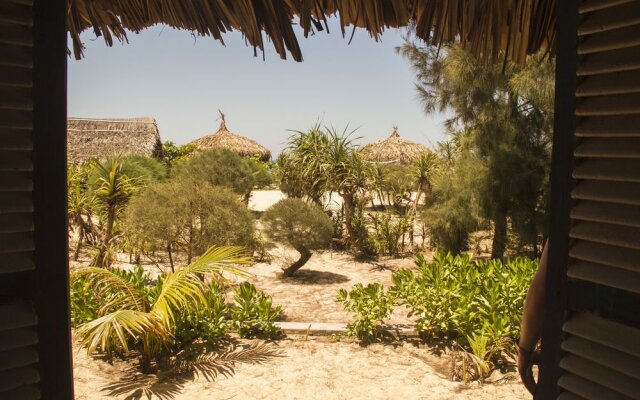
(182,81)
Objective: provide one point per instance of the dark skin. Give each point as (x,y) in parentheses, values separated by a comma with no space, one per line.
(531,327)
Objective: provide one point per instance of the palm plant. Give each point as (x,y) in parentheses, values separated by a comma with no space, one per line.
(423,172)
(113,190)
(143,316)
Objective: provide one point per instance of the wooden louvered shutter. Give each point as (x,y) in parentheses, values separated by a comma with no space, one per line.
(600,348)
(34,334)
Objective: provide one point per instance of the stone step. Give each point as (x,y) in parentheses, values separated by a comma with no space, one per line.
(335,328)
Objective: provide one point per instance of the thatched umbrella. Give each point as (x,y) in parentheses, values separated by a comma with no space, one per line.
(224,139)
(104,138)
(394,150)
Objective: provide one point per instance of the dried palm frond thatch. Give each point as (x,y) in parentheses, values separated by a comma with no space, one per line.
(394,150)
(224,139)
(487,28)
(104,138)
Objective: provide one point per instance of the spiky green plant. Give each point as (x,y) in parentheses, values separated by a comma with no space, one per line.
(134,315)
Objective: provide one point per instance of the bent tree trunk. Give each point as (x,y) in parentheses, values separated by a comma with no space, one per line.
(305,255)
(499,236)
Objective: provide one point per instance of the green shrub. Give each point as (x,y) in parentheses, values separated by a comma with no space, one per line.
(303,227)
(387,231)
(209,321)
(261,171)
(188,216)
(371,305)
(253,313)
(218,168)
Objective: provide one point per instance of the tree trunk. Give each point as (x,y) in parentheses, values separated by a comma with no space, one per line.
(414,210)
(347,202)
(170,257)
(499,236)
(76,253)
(305,255)
(106,239)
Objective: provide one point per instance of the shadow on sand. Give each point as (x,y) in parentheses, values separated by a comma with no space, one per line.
(314,277)
(194,362)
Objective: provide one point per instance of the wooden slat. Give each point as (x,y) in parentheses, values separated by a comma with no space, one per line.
(15,181)
(601,375)
(19,357)
(17,262)
(617,126)
(12,160)
(610,61)
(611,18)
(26,392)
(595,5)
(15,98)
(16,242)
(12,138)
(10,223)
(15,378)
(608,169)
(613,40)
(614,235)
(18,56)
(15,338)
(19,35)
(17,315)
(15,13)
(622,104)
(15,76)
(613,256)
(610,84)
(616,360)
(587,389)
(626,147)
(604,275)
(16,118)
(569,396)
(619,214)
(613,192)
(17,202)
(607,333)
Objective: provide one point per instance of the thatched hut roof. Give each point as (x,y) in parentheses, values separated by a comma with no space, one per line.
(393,149)
(488,29)
(104,138)
(224,139)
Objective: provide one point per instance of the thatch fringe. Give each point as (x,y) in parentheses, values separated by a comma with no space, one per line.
(104,138)
(487,28)
(224,139)
(394,150)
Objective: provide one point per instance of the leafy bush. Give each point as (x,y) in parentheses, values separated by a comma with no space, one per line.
(253,313)
(218,168)
(303,227)
(371,305)
(387,231)
(261,171)
(146,169)
(209,321)
(135,312)
(188,216)
(477,303)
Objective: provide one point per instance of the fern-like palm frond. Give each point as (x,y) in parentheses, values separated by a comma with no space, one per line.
(221,259)
(113,330)
(117,292)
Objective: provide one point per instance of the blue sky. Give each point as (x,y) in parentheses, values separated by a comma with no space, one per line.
(182,81)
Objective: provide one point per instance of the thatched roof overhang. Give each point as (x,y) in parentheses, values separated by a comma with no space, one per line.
(488,28)
(104,138)
(224,139)
(393,150)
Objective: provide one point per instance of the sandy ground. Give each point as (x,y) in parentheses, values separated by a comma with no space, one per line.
(296,367)
(292,369)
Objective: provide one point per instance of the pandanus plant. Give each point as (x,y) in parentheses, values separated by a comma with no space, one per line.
(142,316)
